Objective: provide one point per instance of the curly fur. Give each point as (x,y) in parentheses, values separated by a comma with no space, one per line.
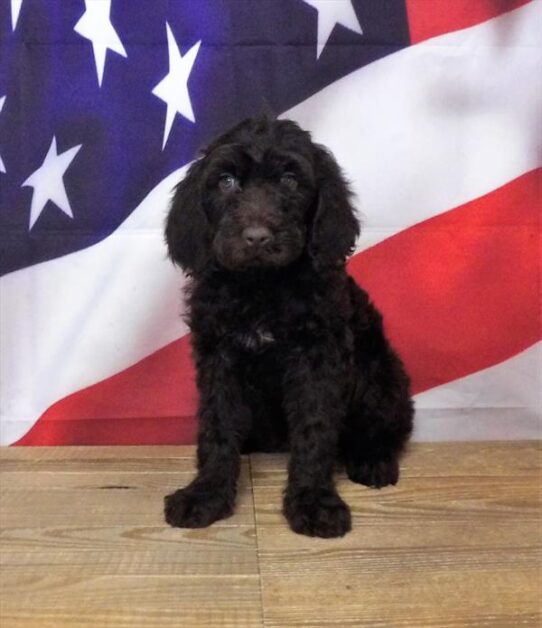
(290,353)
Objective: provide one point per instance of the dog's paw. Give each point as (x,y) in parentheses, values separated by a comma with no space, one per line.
(375,474)
(195,508)
(317,513)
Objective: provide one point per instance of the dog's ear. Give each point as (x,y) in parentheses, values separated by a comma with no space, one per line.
(187,228)
(335,226)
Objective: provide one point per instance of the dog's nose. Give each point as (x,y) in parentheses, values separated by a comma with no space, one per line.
(256,236)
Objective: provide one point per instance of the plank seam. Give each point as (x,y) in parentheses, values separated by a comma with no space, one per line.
(256,533)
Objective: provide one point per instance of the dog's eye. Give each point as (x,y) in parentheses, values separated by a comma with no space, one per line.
(227,181)
(289,180)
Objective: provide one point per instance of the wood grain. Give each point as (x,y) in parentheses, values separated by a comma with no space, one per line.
(83,544)
(45,598)
(456,543)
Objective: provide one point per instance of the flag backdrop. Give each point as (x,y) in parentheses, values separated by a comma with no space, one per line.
(433,108)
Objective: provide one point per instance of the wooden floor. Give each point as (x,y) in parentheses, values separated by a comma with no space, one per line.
(456,543)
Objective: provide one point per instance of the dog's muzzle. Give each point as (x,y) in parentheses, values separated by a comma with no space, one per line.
(256,237)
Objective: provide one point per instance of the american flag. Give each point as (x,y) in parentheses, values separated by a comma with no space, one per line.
(432,107)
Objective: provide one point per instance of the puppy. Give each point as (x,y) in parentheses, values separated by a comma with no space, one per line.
(290,353)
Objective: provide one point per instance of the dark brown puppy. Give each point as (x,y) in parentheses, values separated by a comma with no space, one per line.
(289,351)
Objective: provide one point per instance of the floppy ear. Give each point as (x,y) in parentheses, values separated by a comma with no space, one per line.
(187,228)
(335,226)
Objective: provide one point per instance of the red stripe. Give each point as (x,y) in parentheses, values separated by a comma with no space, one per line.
(147,430)
(153,402)
(460,292)
(429,18)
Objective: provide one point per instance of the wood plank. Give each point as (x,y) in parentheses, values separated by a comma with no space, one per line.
(435,499)
(37,597)
(85,464)
(98,452)
(499,458)
(115,497)
(456,543)
(493,598)
(136,550)
(37,508)
(83,543)
(164,481)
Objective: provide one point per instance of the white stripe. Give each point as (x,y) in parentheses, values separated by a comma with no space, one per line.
(438,124)
(418,132)
(501,402)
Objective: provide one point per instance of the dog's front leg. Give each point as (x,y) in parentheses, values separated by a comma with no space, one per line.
(315,407)
(223,424)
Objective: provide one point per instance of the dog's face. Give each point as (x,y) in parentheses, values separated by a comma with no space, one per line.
(258,195)
(262,195)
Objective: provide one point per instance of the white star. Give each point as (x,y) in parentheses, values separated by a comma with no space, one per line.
(2,167)
(331,12)
(15,10)
(96,26)
(48,183)
(173,89)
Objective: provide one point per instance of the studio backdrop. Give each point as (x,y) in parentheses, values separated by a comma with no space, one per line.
(432,107)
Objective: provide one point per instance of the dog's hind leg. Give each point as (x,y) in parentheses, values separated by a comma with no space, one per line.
(375,434)
(380,417)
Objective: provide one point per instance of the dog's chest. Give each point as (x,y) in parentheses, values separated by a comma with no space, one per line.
(255,339)
(255,318)
(256,325)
